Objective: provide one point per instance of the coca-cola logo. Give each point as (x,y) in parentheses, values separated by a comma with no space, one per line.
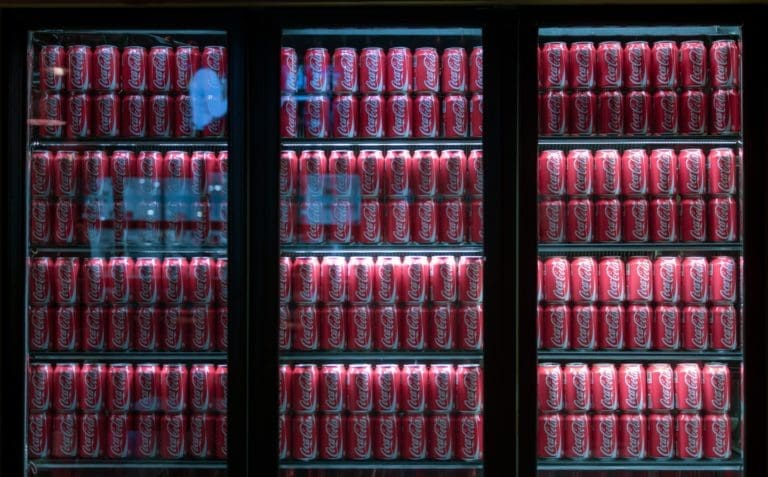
(120,396)
(664,163)
(615,113)
(66,280)
(607,428)
(473,279)
(385,390)
(554,111)
(184,68)
(613,330)
(698,320)
(693,164)
(347,64)
(723,229)
(640,225)
(442,387)
(721,62)
(38,328)
(664,228)
(333,440)
(612,72)
(306,318)
(636,166)
(668,106)
(580,388)
(136,118)
(214,60)
(721,447)
(40,389)
(416,432)
(638,120)
(640,320)
(555,62)
(727,324)
(373,70)
(89,435)
(725,178)
(664,435)
(199,388)
(306,388)
(78,122)
(664,60)
(583,62)
(441,437)
(372,119)
(400,115)
(428,124)
(558,269)
(361,338)
(344,123)
(557,323)
(637,66)
(161,77)
(93,337)
(40,281)
(635,444)
(456,76)
(721,110)
(469,431)
(332,389)
(694,103)
(175,436)
(669,324)
(693,444)
(135,65)
(314,118)
(584,336)
(553,166)
(160,113)
(105,68)
(414,336)
(611,213)
(696,65)
(583,109)
(691,380)
(426,230)
(399,221)
(50,57)
(697,274)
(459,110)
(414,387)
(441,327)
(579,437)
(289,118)
(612,270)
(727,282)
(718,381)
(665,383)
(643,274)
(67,435)
(290,69)
(52,108)
(66,388)
(634,399)
(429,59)
(77,68)
(552,435)
(65,327)
(397,69)
(361,439)
(607,389)
(583,221)
(308,438)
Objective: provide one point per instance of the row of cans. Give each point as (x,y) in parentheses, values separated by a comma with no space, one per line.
(127,174)
(116,388)
(123,435)
(636,219)
(334,327)
(98,222)
(638,66)
(639,112)
(374,116)
(634,172)
(108,115)
(633,388)
(397,220)
(384,388)
(634,437)
(638,327)
(385,280)
(128,328)
(123,280)
(374,72)
(382,437)
(106,68)
(665,280)
(371,173)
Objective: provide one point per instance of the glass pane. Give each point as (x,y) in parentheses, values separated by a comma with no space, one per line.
(127,258)
(381,203)
(640,251)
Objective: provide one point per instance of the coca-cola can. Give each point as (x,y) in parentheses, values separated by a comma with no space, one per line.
(134,69)
(331,436)
(370,168)
(722,280)
(470,279)
(577,388)
(316,71)
(289,70)
(579,220)
(576,436)
(118,388)
(694,332)
(605,436)
(93,331)
(332,387)
(583,328)
(724,63)
(52,65)
(51,109)
(289,121)
(66,280)
(359,386)
(173,432)
(688,387)
(441,388)
(285,437)
(553,113)
(454,70)
(716,442)
(146,388)
(551,221)
(693,64)
(414,437)
(289,173)
(666,329)
(664,214)
(663,172)
(413,392)
(66,327)
(305,388)
(725,111)
(426,115)
(426,70)
(557,283)
(581,65)
(604,388)
(371,71)
(689,436)
(451,221)
(632,436)
(553,69)
(723,327)
(39,384)
(637,112)
(476,70)
(665,112)
(476,115)
(721,172)
(160,116)
(344,114)
(694,110)
(634,172)
(41,174)
(609,65)
(424,219)
(583,112)
(442,319)
(133,122)
(201,387)
(344,70)
(443,279)
(440,437)
(632,387)
(475,229)
(661,438)
(78,114)
(636,212)
(371,116)
(639,280)
(666,279)
(695,280)
(610,113)
(39,435)
(611,280)
(469,388)
(475,177)
(359,331)
(721,219)
(306,328)
(691,172)
(317,112)
(200,441)
(398,116)
(579,172)
(386,388)
(415,276)
(360,280)
(79,73)
(413,320)
(63,382)
(66,170)
(716,389)
(552,172)
(638,324)
(185,65)
(610,330)
(468,444)
(396,172)
(549,436)
(550,388)
(40,327)
(455,114)
(64,442)
(608,220)
(160,62)
(556,327)
(173,388)
(636,65)
(664,65)
(399,70)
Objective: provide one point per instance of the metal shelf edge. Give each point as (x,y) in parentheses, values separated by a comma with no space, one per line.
(645,247)
(130,356)
(127,143)
(639,140)
(639,356)
(127,250)
(127,464)
(690,465)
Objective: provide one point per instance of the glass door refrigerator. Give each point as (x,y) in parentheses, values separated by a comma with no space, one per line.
(125,317)
(381,251)
(640,315)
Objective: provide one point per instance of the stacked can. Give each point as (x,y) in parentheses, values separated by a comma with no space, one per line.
(725,78)
(119,411)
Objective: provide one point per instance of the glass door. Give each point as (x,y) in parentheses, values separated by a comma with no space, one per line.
(127,253)
(381,268)
(640,266)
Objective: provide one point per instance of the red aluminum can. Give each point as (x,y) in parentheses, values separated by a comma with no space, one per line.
(475,227)
(581,65)
(289,122)
(695,335)
(39,435)
(399,69)
(160,116)
(721,219)
(285,437)
(604,388)
(94,170)
(442,319)
(305,441)
(66,279)
(469,437)
(175,281)
(145,328)
(317,111)
(455,116)
(146,280)
(66,326)
(344,70)
(360,278)
(426,70)
(332,387)
(424,215)
(610,331)
(200,441)
(146,388)
(186,63)
(52,63)
(469,388)
(172,430)
(722,280)
(341,168)
(716,390)
(371,117)
(397,216)
(695,280)
(689,436)
(413,390)
(64,436)
(40,383)
(691,172)
(452,171)
(632,390)
(579,220)
(688,387)
(202,380)
(386,280)
(556,327)
(443,279)
(636,65)
(639,280)
(451,219)
(694,109)
(160,62)
(173,388)
(65,173)
(661,439)
(148,173)
(78,115)
(316,71)
(397,164)
(454,70)
(557,283)
(173,336)
(551,221)
(414,273)
(664,214)
(475,176)
(553,115)
(289,173)
(636,213)
(664,65)
(134,116)
(414,437)
(716,436)
(305,275)
(550,388)
(312,170)
(576,436)
(369,226)
(93,276)
(333,280)
(92,222)
(118,428)
(634,172)
(119,383)
(470,279)
(611,280)
(306,328)
(359,327)
(93,329)
(339,230)
(79,62)
(40,328)
(220,388)
(724,64)
(583,112)
(305,387)
(469,323)
(723,327)
(552,172)
(426,115)
(610,113)
(370,168)
(184,127)
(553,69)
(476,70)
(344,114)
(721,172)
(693,64)
(665,112)
(579,172)
(609,64)
(663,173)
(331,436)
(632,436)
(577,388)
(608,220)
(51,109)
(549,436)
(440,388)
(637,112)
(725,111)
(134,69)
(40,174)
(122,166)
(638,334)
(398,116)
(440,437)
(605,436)
(666,280)
(386,388)
(371,70)
(584,327)
(201,387)
(119,276)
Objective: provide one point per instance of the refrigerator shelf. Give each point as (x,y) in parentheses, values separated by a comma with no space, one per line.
(213,357)
(640,141)
(369,32)
(379,356)
(125,143)
(377,250)
(126,464)
(382,464)
(647,465)
(639,31)
(641,248)
(128,250)
(382,143)
(640,356)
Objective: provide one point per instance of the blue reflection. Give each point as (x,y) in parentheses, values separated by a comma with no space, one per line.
(209,97)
